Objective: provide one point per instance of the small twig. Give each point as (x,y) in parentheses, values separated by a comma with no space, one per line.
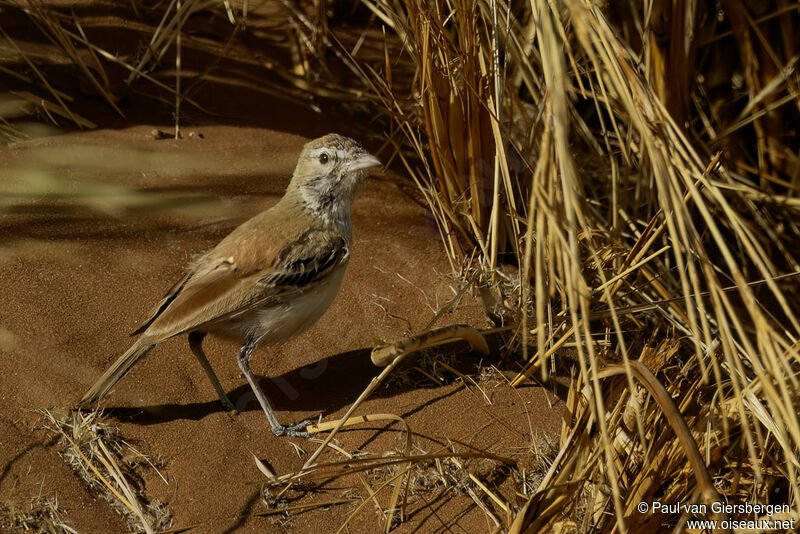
(304,507)
(384,354)
(178,71)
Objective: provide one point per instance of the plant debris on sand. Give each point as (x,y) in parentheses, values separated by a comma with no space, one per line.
(101,457)
(40,515)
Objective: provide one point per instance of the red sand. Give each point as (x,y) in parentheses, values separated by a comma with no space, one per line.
(74,285)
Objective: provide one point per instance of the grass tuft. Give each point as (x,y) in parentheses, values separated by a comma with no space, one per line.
(111,466)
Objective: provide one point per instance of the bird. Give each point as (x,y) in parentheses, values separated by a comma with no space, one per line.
(269,280)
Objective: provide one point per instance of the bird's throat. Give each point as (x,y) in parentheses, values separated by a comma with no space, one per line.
(328,204)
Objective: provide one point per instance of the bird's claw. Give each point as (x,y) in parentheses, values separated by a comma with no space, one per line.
(297,430)
(228,405)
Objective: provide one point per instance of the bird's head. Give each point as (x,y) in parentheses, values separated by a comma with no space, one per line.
(329,172)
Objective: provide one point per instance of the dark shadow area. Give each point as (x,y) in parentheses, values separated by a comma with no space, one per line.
(343,377)
(245,514)
(21,454)
(231,74)
(72,220)
(433,508)
(75,228)
(329,385)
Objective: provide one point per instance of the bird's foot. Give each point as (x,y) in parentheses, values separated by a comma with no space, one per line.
(228,405)
(295,431)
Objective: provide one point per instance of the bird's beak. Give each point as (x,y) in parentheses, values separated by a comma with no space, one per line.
(363,161)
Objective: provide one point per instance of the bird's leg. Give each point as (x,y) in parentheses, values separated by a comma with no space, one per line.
(196,344)
(278,429)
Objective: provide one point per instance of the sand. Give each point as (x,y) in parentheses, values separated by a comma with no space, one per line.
(77,278)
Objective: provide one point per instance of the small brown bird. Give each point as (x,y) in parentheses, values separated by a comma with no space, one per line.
(269,279)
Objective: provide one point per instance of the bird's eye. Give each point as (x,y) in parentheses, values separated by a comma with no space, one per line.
(323,158)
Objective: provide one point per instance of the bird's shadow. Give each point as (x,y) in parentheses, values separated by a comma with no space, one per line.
(324,387)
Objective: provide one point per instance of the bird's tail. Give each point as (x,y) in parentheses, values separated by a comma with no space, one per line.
(114,373)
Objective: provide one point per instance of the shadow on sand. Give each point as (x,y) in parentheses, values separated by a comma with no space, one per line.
(323,387)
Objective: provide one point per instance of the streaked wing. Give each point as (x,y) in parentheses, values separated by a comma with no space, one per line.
(229,288)
(301,266)
(304,265)
(161,306)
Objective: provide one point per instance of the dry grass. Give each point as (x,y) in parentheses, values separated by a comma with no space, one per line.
(617,178)
(634,211)
(41,515)
(111,466)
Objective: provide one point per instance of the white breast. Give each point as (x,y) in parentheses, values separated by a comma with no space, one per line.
(278,323)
